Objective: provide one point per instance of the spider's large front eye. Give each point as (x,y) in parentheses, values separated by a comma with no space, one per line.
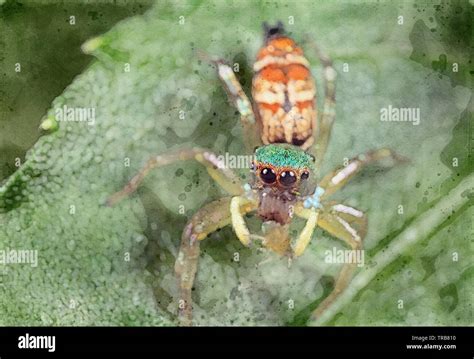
(268,175)
(287,178)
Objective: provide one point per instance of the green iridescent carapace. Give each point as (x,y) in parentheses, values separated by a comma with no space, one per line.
(280,155)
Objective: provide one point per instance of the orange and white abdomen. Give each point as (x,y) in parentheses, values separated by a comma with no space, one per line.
(284,93)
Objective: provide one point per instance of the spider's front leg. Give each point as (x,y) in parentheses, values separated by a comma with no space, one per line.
(239,99)
(216,169)
(338,178)
(208,219)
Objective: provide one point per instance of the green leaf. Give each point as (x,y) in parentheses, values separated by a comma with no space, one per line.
(146,72)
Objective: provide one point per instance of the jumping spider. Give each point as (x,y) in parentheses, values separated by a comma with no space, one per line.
(289,139)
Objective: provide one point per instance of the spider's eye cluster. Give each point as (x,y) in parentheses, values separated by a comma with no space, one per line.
(268,175)
(286,178)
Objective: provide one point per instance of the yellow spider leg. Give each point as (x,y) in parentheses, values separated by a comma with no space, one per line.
(305,236)
(338,178)
(216,169)
(238,222)
(207,220)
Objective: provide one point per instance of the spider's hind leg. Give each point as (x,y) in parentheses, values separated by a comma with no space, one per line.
(238,98)
(328,115)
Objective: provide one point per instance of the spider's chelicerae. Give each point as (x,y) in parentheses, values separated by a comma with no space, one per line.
(290,140)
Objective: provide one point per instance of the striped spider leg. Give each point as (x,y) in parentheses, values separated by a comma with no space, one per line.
(222,175)
(341,221)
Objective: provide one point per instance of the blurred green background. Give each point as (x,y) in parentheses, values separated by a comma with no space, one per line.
(83,277)
(39,36)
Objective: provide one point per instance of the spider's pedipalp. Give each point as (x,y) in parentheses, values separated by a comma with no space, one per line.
(306,234)
(238,222)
